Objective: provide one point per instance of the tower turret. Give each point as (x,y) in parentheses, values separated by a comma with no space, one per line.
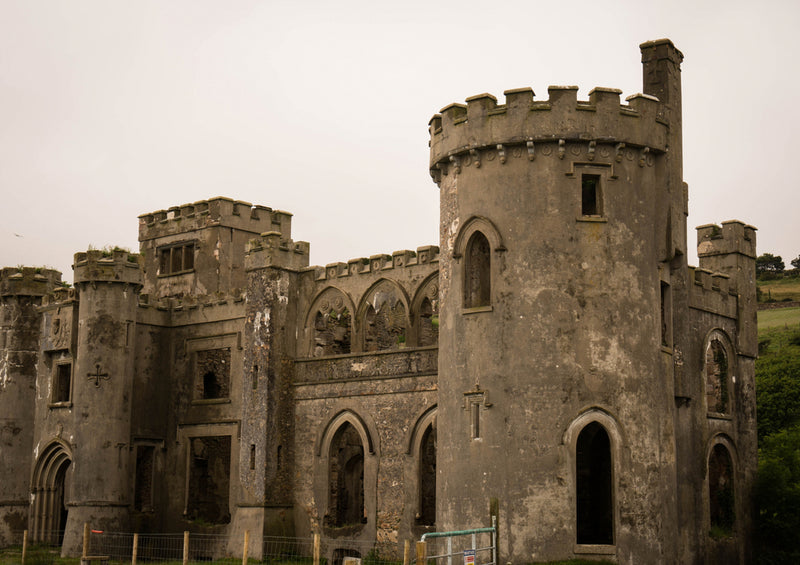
(21,291)
(551,349)
(107,286)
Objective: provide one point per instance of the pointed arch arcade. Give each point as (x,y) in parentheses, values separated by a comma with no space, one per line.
(49,490)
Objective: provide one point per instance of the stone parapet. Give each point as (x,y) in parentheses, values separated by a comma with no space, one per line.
(358,366)
(733,237)
(428,254)
(28,281)
(117,266)
(273,249)
(218,211)
(482,125)
(712,292)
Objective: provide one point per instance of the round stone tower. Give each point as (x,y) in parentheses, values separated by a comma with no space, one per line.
(562,222)
(21,292)
(108,287)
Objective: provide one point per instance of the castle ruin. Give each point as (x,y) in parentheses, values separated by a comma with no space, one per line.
(554,362)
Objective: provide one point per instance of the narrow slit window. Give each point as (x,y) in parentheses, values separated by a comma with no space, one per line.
(477,279)
(590,195)
(666,315)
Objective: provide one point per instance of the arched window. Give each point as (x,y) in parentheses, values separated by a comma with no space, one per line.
(429,321)
(477,272)
(346,478)
(721,501)
(594,486)
(332,333)
(427,478)
(385,319)
(717,376)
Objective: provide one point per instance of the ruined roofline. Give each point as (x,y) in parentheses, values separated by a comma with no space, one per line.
(218,211)
(427,254)
(482,123)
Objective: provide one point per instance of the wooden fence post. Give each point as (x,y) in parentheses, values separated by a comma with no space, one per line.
(246,545)
(24,545)
(85,539)
(422,553)
(135,551)
(316,549)
(185,548)
(407,553)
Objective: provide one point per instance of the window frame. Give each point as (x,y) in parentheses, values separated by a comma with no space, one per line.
(187,250)
(55,383)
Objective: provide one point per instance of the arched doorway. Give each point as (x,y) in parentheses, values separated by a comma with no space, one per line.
(594,488)
(49,487)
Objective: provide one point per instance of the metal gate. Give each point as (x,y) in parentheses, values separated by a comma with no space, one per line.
(462,544)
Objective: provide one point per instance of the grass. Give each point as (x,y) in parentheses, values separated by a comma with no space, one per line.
(778,318)
(780,289)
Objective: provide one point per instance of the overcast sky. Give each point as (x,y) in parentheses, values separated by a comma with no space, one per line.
(110,109)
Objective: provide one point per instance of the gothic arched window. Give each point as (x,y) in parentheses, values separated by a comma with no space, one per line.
(477,272)
(717,376)
(721,501)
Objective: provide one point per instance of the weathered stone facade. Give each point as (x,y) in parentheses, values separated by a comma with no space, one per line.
(555,363)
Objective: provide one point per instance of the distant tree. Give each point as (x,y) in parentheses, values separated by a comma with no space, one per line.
(779,496)
(769,263)
(796,262)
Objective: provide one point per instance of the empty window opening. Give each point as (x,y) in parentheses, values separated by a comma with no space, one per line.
(254,377)
(213,374)
(666,315)
(590,195)
(385,327)
(721,501)
(594,489)
(62,386)
(176,259)
(427,478)
(477,281)
(716,377)
(429,322)
(332,333)
(252,457)
(346,478)
(209,479)
(143,496)
(279,457)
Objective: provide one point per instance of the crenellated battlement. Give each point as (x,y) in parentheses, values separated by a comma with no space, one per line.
(219,211)
(712,292)
(273,249)
(733,237)
(28,281)
(483,125)
(119,266)
(428,254)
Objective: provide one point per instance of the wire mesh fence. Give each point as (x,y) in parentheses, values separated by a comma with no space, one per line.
(196,548)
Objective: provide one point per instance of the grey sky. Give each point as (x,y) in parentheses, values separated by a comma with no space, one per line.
(110,109)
